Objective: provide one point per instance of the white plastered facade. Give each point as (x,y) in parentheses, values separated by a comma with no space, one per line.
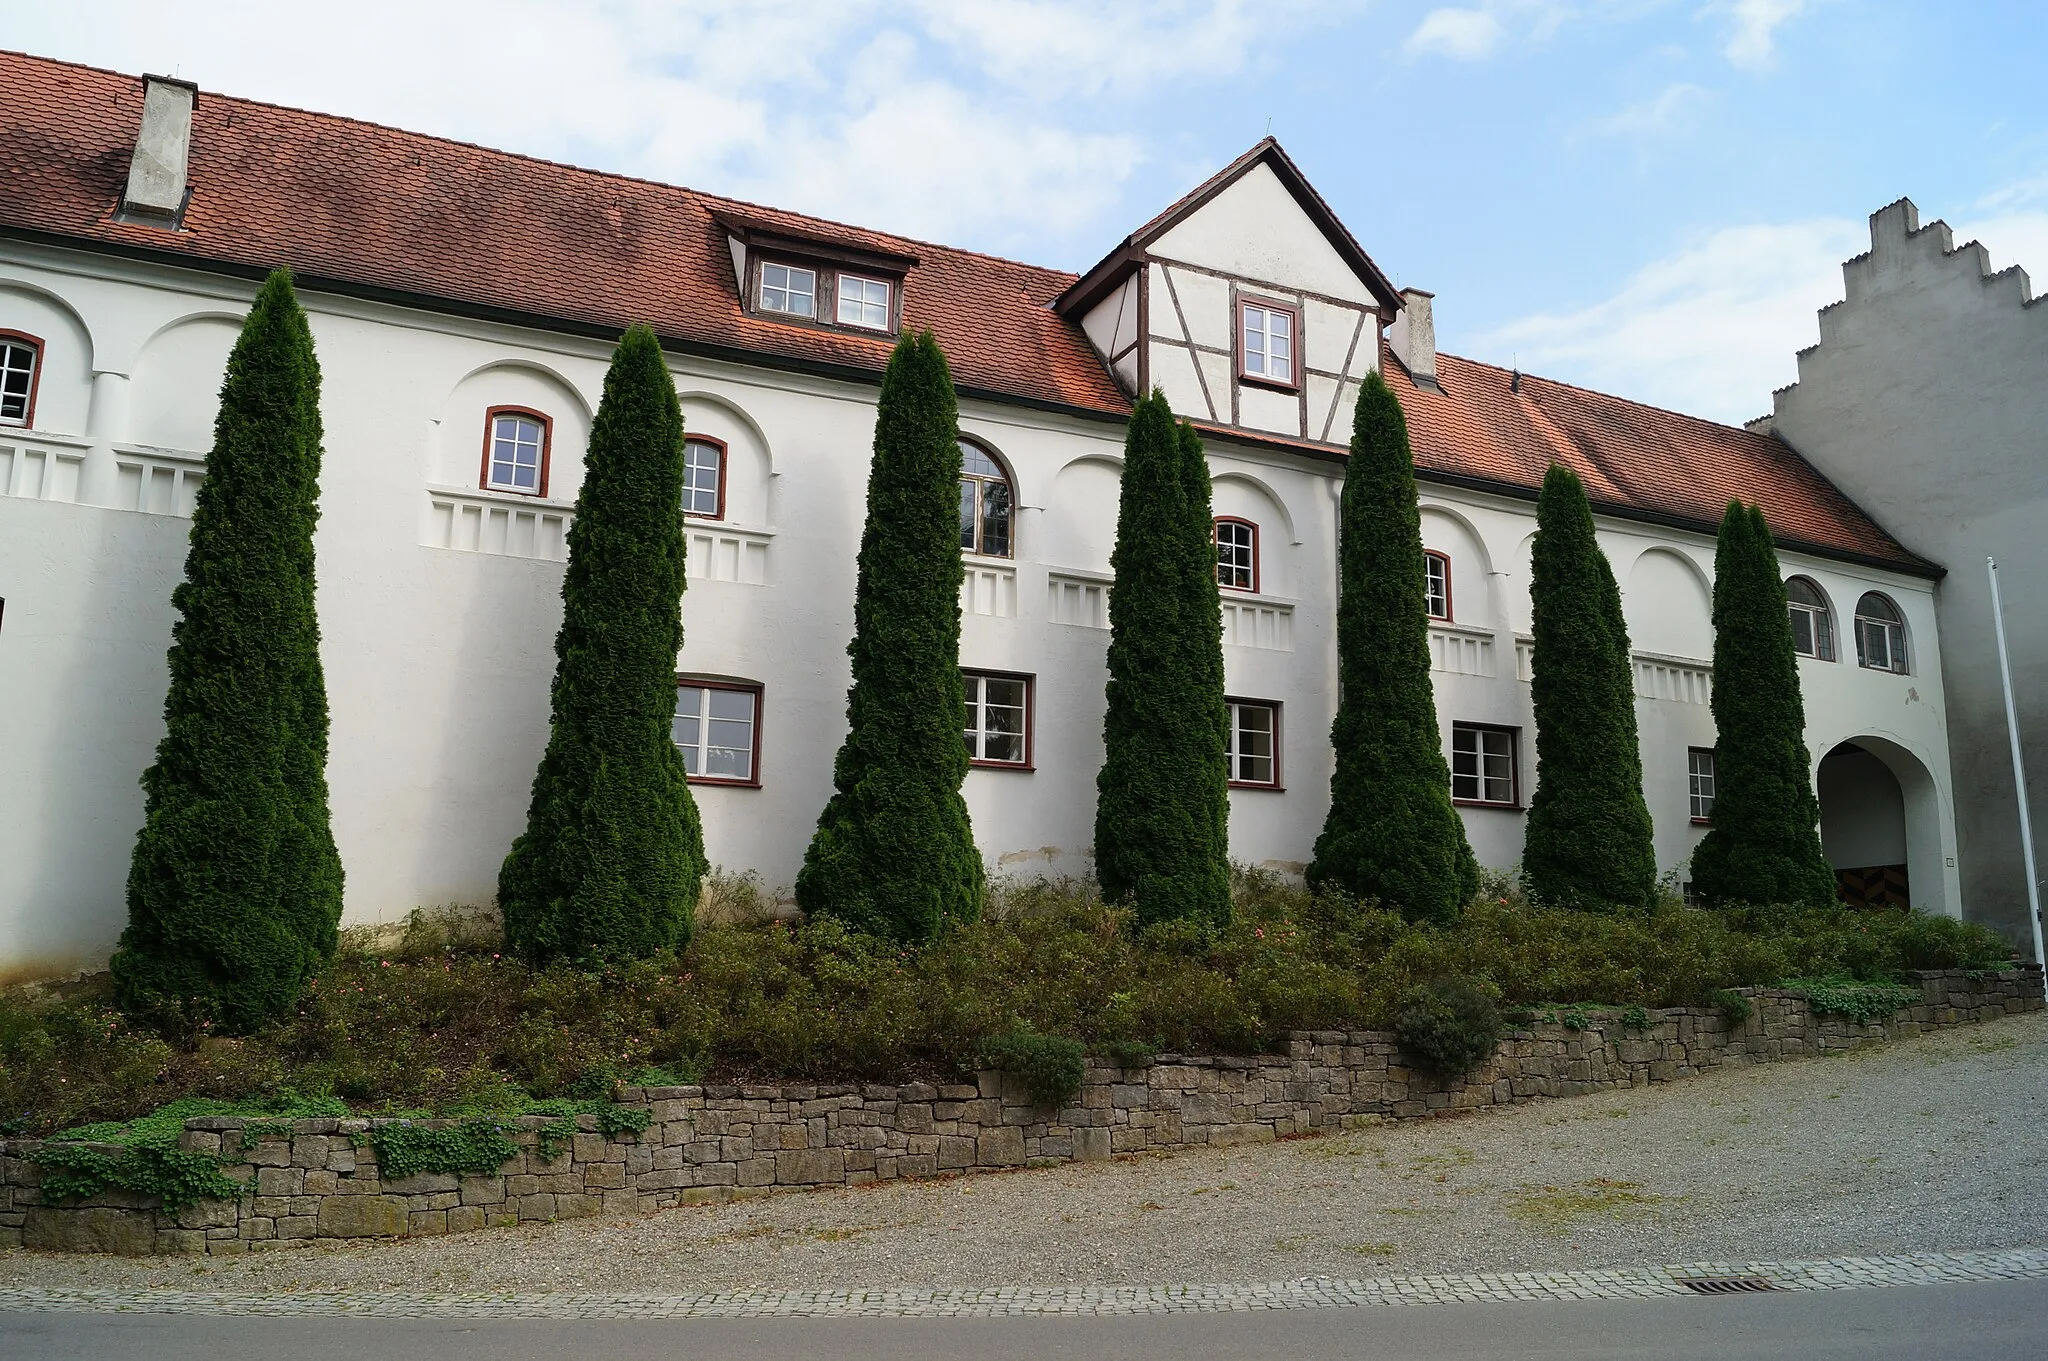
(439,600)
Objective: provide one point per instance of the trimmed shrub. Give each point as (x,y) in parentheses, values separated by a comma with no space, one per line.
(1448,1027)
(234,891)
(612,855)
(1050,1065)
(1764,844)
(1391,834)
(1161,806)
(1587,843)
(894,852)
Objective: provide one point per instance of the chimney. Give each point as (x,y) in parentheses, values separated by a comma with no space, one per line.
(1413,336)
(157,186)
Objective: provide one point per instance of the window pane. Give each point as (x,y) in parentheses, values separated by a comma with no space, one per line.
(968,501)
(1436,587)
(732,704)
(995,519)
(1802,631)
(975,461)
(700,478)
(17,368)
(1003,747)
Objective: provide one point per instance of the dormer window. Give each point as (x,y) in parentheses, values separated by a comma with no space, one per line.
(787,288)
(1269,349)
(863,302)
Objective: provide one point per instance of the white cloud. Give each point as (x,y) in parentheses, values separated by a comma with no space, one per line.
(1711,329)
(1670,109)
(1462,34)
(1753,36)
(959,123)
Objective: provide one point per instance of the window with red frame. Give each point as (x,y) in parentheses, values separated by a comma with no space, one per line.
(703,479)
(1237,554)
(516,451)
(1253,744)
(20,360)
(718,729)
(1436,584)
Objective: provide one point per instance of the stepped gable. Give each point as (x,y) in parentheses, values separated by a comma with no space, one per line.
(374,207)
(1634,459)
(360,207)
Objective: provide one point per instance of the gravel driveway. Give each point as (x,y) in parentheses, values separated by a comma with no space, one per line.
(1936,1142)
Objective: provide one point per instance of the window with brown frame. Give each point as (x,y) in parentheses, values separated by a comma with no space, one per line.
(1253,743)
(823,291)
(718,729)
(704,478)
(1483,765)
(516,450)
(998,731)
(1880,634)
(789,289)
(1436,584)
(1237,553)
(1269,342)
(986,499)
(21,365)
(1813,622)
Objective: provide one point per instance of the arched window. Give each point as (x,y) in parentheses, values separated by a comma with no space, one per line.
(704,478)
(1813,624)
(21,364)
(1880,634)
(1436,583)
(516,450)
(1237,554)
(985,503)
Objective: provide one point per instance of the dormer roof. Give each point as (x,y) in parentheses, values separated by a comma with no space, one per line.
(1111,271)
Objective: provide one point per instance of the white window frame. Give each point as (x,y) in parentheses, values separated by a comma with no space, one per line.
(1436,584)
(1233,747)
(1820,622)
(790,274)
(977,733)
(864,305)
(1892,632)
(1487,740)
(11,344)
(976,484)
(1255,318)
(544,432)
(697,753)
(1702,783)
(692,487)
(1228,568)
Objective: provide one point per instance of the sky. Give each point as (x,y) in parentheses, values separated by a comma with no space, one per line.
(1650,197)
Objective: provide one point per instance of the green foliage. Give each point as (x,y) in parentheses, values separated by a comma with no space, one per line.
(234,890)
(1733,1006)
(1448,1027)
(1051,1065)
(613,852)
(1574,1018)
(1764,844)
(1129,1053)
(470,1034)
(894,853)
(1588,836)
(1391,834)
(474,1147)
(1161,833)
(150,1167)
(1856,1000)
(1635,1018)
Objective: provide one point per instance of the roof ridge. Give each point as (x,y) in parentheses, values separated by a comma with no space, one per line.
(531,159)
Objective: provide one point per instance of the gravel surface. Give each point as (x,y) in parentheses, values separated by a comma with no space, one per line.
(1940,1142)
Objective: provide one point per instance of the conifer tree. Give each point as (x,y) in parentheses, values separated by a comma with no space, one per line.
(894,852)
(613,853)
(1588,841)
(234,890)
(1391,834)
(1161,834)
(1764,844)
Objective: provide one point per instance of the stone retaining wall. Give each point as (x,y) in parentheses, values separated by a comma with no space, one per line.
(718,1143)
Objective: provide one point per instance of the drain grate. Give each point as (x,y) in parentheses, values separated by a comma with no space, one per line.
(1725,1285)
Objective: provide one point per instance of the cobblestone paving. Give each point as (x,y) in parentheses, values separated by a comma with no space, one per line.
(1840,1273)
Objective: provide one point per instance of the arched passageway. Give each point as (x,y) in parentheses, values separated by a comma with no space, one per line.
(1880,825)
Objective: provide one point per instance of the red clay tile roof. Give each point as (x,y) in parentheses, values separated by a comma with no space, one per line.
(359,205)
(1633,458)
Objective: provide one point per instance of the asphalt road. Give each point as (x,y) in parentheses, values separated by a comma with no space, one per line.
(1985,1321)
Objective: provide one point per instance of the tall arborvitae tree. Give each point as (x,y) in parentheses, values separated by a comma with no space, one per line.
(1160,832)
(1764,844)
(613,853)
(1588,841)
(234,892)
(894,852)
(1391,834)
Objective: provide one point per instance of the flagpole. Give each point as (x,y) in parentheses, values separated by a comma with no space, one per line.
(2019,769)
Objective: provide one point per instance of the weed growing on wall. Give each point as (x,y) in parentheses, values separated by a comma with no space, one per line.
(1588,842)
(894,852)
(234,890)
(1391,834)
(613,852)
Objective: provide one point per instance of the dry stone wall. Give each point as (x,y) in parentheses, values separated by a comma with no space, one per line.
(709,1144)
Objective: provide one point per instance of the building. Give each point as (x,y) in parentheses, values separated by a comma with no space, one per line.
(464,303)
(1926,400)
